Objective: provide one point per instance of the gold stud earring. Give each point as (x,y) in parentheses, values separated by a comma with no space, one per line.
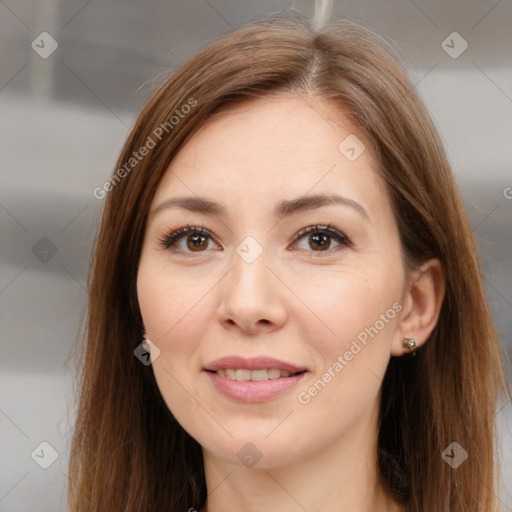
(410,343)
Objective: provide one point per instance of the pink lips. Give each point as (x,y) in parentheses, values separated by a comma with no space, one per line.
(254,363)
(253,391)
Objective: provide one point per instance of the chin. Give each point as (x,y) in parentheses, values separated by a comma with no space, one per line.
(257,451)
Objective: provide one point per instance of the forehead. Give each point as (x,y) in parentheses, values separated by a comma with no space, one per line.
(275,146)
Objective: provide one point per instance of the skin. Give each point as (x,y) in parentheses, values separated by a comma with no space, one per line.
(294,303)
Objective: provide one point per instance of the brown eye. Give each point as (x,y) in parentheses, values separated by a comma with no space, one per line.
(196,242)
(320,239)
(196,239)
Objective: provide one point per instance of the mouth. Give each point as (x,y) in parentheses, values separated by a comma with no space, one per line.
(245,374)
(250,386)
(255,379)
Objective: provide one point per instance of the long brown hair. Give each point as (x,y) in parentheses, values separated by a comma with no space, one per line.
(128,452)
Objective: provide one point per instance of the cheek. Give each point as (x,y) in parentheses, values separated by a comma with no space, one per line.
(360,309)
(177,311)
(363,313)
(170,302)
(170,309)
(350,303)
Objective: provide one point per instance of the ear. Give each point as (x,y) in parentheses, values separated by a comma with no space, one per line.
(422,303)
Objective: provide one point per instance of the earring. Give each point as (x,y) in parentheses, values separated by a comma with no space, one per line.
(146,342)
(410,344)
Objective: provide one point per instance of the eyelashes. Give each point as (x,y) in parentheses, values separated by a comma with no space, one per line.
(171,238)
(319,235)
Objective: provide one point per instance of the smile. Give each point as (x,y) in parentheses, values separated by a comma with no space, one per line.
(242,374)
(248,386)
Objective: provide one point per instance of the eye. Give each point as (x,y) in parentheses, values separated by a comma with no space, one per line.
(320,239)
(196,239)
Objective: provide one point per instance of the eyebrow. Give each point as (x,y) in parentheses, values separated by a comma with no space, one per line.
(281,210)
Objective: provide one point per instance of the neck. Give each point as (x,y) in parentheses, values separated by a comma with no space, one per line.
(343,476)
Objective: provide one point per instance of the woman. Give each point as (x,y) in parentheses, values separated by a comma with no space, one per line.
(286,310)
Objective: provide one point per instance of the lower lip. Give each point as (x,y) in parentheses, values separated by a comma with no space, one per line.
(254,391)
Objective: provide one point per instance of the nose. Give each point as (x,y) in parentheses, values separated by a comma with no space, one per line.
(252,297)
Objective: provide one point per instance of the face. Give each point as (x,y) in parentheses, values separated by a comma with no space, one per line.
(315,286)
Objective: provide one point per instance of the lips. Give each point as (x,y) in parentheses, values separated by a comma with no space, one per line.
(253,380)
(255,363)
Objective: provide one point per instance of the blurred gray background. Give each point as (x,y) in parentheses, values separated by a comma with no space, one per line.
(73,76)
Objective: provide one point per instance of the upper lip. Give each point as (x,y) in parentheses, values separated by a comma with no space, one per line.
(253,363)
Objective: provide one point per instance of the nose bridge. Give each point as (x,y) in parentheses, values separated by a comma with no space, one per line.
(250,272)
(250,294)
